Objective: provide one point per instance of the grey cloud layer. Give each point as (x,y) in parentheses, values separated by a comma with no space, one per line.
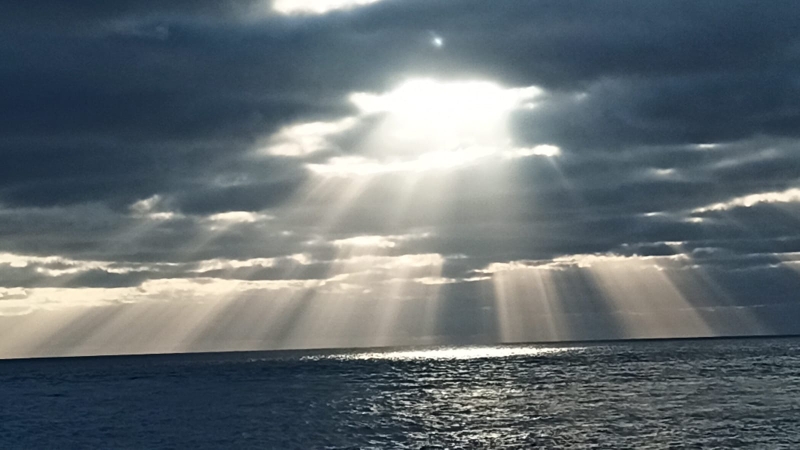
(106,104)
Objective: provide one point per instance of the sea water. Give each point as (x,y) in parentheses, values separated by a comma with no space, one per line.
(654,394)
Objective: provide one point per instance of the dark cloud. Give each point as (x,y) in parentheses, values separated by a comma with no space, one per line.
(127,128)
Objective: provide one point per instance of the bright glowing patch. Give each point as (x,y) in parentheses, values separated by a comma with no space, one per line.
(427,104)
(316,6)
(446,124)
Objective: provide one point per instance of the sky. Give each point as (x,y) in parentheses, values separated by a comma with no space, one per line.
(252,174)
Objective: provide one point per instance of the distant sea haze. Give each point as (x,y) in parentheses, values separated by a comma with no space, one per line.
(710,393)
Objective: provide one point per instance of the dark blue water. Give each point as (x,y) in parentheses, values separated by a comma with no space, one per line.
(707,393)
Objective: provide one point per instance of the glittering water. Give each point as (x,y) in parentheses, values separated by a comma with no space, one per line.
(717,393)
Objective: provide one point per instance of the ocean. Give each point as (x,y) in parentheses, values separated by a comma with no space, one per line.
(717,393)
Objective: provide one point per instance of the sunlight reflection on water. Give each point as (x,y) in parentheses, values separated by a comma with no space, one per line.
(447,353)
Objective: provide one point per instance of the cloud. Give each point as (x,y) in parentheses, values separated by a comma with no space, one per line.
(316,6)
(305,138)
(300,160)
(787,196)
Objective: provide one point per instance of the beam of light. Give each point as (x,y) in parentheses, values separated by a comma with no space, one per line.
(649,302)
(527,304)
(258,316)
(64,320)
(145,217)
(99,320)
(695,282)
(409,282)
(425,128)
(60,319)
(325,200)
(207,230)
(645,297)
(137,320)
(316,6)
(207,300)
(31,330)
(199,315)
(365,298)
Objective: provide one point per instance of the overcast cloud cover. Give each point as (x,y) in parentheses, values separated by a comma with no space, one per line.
(204,175)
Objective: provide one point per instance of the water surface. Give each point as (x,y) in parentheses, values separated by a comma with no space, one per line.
(654,394)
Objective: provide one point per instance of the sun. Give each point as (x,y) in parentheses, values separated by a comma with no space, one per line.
(421,125)
(425,115)
(425,100)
